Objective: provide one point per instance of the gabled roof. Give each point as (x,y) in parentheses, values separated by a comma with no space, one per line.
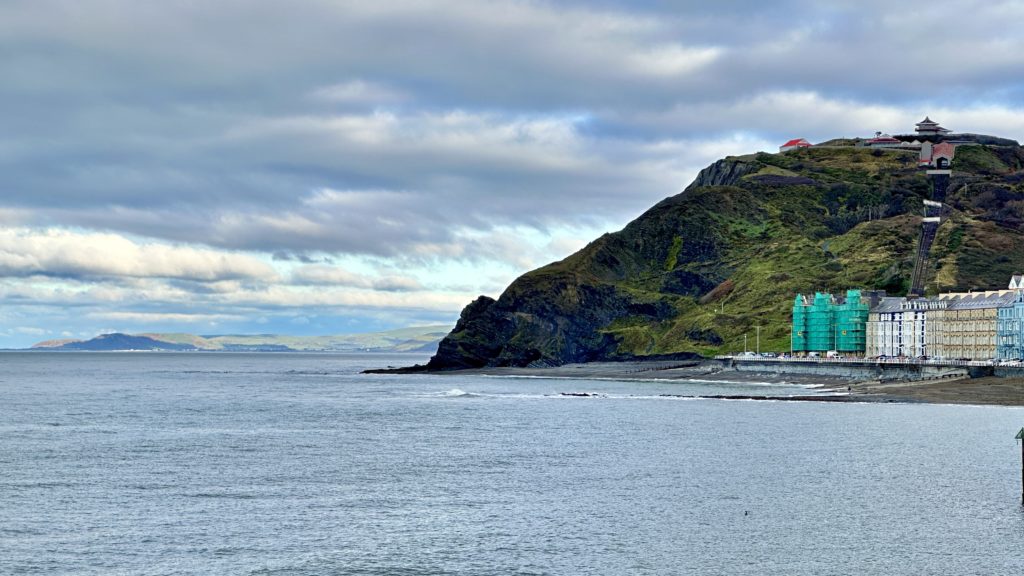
(797,142)
(889,304)
(1017,282)
(982,300)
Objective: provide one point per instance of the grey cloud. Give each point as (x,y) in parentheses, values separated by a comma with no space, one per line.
(222,122)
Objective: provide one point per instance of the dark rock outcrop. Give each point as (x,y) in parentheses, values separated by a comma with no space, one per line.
(724,172)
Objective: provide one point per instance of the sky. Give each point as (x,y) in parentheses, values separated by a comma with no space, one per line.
(324,167)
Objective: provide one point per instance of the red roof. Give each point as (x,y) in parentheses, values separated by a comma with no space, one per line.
(796,142)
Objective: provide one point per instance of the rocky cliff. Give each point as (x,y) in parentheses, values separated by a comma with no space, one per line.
(701,269)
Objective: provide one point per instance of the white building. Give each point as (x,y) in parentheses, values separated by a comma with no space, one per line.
(885,329)
(898,327)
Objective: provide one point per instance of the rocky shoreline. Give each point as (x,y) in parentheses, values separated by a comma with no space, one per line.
(984,391)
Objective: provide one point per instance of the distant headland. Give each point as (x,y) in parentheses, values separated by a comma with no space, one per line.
(422,339)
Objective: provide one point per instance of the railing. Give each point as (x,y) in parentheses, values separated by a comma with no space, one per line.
(865,361)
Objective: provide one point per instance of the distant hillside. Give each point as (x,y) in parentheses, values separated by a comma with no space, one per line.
(54,343)
(117,341)
(417,339)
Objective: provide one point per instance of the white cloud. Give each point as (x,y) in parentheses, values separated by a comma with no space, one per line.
(673,60)
(162,317)
(336,276)
(57,252)
(359,92)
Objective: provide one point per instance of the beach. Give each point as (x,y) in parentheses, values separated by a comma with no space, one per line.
(979,391)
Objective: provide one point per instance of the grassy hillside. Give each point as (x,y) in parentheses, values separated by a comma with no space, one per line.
(701,269)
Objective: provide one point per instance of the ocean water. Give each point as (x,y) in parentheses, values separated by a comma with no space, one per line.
(156,463)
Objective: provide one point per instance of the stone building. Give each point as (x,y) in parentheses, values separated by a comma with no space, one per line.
(966,328)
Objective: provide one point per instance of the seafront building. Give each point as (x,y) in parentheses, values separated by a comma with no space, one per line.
(824,322)
(899,327)
(1010,329)
(966,328)
(952,326)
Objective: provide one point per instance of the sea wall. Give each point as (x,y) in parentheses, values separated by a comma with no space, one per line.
(1008,371)
(853,370)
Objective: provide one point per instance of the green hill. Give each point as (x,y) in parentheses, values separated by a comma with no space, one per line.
(701,269)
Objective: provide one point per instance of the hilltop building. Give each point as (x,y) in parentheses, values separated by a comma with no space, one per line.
(928,127)
(938,155)
(794,144)
(942,154)
(884,141)
(935,150)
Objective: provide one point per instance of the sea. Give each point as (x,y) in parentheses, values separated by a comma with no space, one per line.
(281,463)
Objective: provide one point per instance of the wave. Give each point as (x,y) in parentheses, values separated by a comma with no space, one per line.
(459,393)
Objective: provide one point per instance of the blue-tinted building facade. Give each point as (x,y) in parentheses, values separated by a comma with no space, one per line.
(1010,330)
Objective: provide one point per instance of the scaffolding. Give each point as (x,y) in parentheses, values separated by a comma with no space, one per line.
(798,335)
(827,323)
(820,319)
(851,319)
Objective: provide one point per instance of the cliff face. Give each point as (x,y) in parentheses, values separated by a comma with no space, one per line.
(724,172)
(701,269)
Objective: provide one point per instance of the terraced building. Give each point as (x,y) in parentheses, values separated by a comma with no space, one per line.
(1010,330)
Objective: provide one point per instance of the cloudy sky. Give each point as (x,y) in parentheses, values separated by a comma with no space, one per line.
(325,166)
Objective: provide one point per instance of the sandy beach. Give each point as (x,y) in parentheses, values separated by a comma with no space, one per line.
(988,391)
